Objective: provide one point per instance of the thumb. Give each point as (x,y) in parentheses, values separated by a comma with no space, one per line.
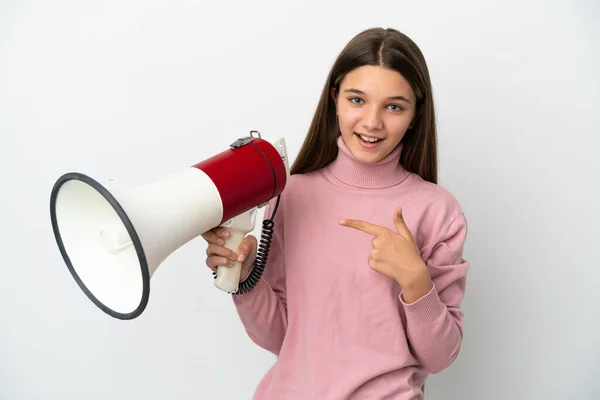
(247,248)
(401,227)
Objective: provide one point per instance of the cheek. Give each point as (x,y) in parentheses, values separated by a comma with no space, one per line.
(348,118)
(397,127)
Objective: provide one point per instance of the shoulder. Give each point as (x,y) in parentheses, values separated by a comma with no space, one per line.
(300,180)
(296,185)
(435,196)
(439,211)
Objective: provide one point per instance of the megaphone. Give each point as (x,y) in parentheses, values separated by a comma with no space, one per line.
(113,240)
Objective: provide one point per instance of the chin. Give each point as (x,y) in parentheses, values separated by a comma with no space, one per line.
(366,155)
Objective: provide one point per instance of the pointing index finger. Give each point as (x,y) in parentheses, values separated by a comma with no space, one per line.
(363,226)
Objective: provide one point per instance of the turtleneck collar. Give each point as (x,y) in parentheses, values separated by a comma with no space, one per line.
(352,172)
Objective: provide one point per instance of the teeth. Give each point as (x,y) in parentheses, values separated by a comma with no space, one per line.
(370,140)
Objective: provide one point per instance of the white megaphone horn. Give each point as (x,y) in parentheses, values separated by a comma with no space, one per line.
(112,241)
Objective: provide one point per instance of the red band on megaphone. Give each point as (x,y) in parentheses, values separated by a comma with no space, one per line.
(246,176)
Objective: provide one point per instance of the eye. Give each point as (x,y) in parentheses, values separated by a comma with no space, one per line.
(396,107)
(355,100)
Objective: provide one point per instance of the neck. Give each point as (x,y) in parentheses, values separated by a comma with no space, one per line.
(352,172)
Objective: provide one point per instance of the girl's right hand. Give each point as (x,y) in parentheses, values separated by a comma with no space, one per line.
(218,255)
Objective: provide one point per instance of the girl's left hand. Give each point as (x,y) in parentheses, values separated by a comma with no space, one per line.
(396,255)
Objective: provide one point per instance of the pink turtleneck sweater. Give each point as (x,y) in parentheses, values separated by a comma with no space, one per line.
(339,329)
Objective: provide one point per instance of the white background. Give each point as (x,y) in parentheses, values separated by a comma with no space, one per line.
(139,89)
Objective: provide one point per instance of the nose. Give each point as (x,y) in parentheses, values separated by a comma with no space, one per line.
(372,119)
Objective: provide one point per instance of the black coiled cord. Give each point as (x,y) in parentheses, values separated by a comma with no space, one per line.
(262,254)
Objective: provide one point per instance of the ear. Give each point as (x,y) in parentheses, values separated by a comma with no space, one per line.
(333,94)
(418,113)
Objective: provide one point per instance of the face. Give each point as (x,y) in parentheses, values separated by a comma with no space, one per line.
(375,107)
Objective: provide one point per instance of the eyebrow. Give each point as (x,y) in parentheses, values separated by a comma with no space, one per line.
(401,98)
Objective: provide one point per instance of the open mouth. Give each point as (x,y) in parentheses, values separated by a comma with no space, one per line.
(368,139)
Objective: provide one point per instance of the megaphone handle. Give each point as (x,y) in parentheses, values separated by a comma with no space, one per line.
(228,278)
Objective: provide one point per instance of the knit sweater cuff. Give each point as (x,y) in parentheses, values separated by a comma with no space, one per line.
(426,309)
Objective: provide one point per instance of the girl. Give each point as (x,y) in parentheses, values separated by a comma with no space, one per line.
(360,297)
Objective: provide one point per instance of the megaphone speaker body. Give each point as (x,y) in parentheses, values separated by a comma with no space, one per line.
(113,241)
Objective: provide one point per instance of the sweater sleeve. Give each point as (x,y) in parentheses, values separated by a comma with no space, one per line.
(263,310)
(434,322)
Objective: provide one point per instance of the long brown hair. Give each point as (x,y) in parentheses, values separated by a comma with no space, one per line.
(391,49)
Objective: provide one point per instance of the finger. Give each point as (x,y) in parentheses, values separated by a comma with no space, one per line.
(247,247)
(221,232)
(375,252)
(372,262)
(212,237)
(364,226)
(377,242)
(213,269)
(214,250)
(216,261)
(401,227)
